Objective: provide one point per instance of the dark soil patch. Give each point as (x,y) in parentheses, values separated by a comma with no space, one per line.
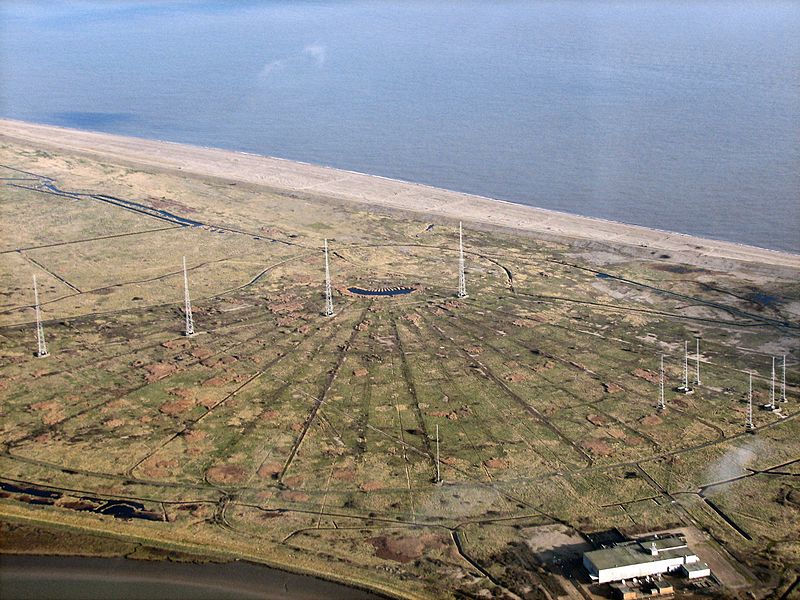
(405,548)
(227,474)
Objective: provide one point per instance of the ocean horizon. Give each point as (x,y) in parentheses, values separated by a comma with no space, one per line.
(680,117)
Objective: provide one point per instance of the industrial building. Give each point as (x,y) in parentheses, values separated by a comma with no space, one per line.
(696,570)
(638,558)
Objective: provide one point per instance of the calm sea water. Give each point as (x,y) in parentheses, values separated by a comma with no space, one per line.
(677,115)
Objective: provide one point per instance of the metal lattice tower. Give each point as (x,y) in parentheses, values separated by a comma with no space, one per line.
(685,365)
(187,303)
(328,293)
(783,382)
(661,402)
(438,472)
(772,389)
(462,278)
(41,351)
(697,362)
(749,425)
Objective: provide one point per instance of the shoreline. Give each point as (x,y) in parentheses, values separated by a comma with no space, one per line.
(382,192)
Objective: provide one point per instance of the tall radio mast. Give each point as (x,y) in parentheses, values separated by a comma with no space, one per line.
(328,293)
(462,278)
(749,425)
(41,352)
(187,303)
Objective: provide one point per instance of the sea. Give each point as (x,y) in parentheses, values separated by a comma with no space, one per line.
(682,115)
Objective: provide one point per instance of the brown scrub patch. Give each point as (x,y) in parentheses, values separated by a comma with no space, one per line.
(615,432)
(290,496)
(269,415)
(51,417)
(214,361)
(346,475)
(496,463)
(517,377)
(159,468)
(598,420)
(158,371)
(371,486)
(177,407)
(226,474)
(453,415)
(413,318)
(269,470)
(45,405)
(284,303)
(597,446)
(202,353)
(194,436)
(294,481)
(405,548)
(179,344)
(647,375)
(217,381)
(527,323)
(51,412)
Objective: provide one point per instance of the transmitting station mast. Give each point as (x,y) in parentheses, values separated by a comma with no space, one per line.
(771,405)
(438,471)
(328,293)
(462,278)
(749,425)
(685,387)
(41,352)
(697,362)
(661,403)
(187,303)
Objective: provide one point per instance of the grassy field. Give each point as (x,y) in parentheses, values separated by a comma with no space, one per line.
(280,435)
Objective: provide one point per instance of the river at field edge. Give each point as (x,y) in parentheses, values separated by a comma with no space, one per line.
(65,578)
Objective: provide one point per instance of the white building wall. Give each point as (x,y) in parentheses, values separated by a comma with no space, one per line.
(640,570)
(699,573)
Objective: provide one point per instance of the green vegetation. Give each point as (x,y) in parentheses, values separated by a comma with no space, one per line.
(282,436)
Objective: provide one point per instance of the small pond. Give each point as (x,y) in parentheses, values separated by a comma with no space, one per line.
(394,291)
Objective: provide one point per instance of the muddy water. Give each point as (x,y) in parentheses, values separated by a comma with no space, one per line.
(66,578)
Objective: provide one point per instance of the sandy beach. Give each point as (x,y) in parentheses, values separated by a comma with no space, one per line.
(382,193)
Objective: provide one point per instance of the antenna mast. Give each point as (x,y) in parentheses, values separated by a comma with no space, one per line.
(685,365)
(462,279)
(438,473)
(661,403)
(685,389)
(749,425)
(41,352)
(328,294)
(772,390)
(187,303)
(697,362)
